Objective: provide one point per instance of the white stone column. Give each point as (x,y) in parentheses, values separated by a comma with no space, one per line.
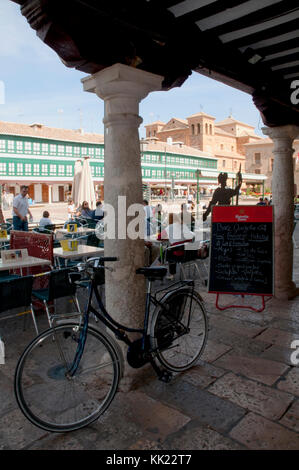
(122,88)
(283,202)
(50,193)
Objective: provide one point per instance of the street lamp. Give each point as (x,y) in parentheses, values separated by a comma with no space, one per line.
(198,174)
(172,186)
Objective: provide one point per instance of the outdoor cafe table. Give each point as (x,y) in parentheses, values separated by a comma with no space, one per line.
(83,252)
(28,262)
(60,233)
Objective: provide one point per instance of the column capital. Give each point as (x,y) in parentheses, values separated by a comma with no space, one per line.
(282,132)
(122,79)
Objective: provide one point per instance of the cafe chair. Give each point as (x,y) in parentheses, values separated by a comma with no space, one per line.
(92,240)
(15,293)
(189,256)
(91,223)
(59,286)
(73,221)
(6,226)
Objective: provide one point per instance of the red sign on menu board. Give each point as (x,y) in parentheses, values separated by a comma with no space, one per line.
(246,214)
(241,252)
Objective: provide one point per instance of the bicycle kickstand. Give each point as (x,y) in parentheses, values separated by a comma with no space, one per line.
(163,374)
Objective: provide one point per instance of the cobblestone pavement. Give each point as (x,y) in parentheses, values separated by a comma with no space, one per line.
(242,394)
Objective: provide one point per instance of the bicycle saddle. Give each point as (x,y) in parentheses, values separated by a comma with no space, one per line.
(155,272)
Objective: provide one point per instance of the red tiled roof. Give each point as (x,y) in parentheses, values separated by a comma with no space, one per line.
(41,131)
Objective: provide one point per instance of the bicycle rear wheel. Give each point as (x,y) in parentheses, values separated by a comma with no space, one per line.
(179,330)
(48,397)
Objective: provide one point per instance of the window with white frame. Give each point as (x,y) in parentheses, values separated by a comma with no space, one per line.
(77,150)
(19,168)
(91,151)
(53,169)
(11,145)
(147,172)
(27,147)
(60,149)
(84,151)
(19,146)
(53,149)
(2,168)
(45,148)
(61,170)
(44,169)
(69,170)
(69,150)
(35,169)
(2,144)
(92,169)
(36,147)
(27,168)
(11,168)
(98,152)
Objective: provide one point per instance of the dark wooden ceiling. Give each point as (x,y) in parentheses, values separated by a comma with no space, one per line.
(251,45)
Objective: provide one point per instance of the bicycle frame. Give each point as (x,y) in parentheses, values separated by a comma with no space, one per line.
(118,329)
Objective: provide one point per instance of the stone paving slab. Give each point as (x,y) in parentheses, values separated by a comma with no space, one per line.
(261,370)
(202,375)
(236,326)
(196,436)
(17,432)
(220,414)
(278,337)
(250,395)
(258,433)
(290,382)
(214,350)
(291,417)
(240,344)
(279,354)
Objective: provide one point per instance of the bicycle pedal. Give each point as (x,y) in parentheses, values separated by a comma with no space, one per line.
(166,376)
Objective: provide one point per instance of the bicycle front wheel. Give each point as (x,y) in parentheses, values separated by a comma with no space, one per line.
(179,330)
(55,401)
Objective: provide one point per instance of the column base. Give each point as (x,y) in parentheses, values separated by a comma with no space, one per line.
(287,294)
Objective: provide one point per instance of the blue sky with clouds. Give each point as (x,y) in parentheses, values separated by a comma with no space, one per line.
(39,88)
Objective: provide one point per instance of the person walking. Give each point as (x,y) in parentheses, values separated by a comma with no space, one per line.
(20,210)
(71,210)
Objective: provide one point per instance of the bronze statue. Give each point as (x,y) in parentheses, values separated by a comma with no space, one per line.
(223,195)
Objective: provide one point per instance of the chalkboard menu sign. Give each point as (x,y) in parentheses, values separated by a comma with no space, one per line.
(241,250)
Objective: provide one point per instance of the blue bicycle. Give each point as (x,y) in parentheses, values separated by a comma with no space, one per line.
(68,375)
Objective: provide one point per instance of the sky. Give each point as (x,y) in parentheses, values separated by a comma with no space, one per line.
(35,86)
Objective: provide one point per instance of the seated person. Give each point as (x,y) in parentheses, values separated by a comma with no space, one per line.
(45,220)
(99,213)
(85,211)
